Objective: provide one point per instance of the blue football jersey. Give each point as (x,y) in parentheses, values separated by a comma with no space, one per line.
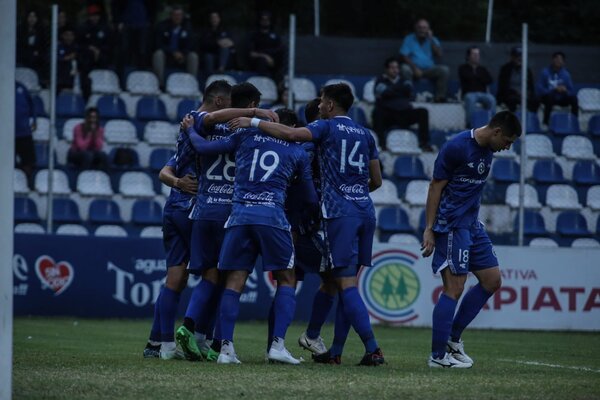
(344,151)
(465,165)
(295,208)
(216,172)
(183,162)
(265,167)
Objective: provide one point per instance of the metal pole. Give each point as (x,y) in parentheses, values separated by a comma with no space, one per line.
(488,26)
(8,21)
(291,61)
(53,61)
(523,133)
(317,8)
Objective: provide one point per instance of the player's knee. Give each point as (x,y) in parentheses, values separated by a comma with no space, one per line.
(211,275)
(491,285)
(177,278)
(454,289)
(285,278)
(329,288)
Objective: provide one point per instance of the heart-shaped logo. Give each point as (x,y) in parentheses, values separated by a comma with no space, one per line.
(54,276)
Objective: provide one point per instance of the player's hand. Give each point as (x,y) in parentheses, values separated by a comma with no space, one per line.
(428,243)
(266,114)
(241,122)
(187,122)
(188,184)
(418,72)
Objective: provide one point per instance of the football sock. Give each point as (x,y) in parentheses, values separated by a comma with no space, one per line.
(470,306)
(169,300)
(443,314)
(284,309)
(357,314)
(270,325)
(168,346)
(201,296)
(227,347)
(208,318)
(340,329)
(278,343)
(320,309)
(230,308)
(155,337)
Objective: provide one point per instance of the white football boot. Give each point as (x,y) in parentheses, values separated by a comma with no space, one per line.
(457,349)
(315,346)
(447,362)
(282,356)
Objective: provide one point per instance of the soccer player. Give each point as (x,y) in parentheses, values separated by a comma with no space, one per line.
(211,210)
(458,237)
(258,226)
(180,175)
(349,171)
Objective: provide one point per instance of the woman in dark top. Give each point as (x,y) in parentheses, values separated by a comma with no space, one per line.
(216,45)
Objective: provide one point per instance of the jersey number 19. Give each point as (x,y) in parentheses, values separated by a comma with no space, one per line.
(269,155)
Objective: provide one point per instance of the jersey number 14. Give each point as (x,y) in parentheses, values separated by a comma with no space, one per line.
(351,157)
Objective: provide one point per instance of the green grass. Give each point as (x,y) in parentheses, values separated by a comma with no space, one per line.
(60,358)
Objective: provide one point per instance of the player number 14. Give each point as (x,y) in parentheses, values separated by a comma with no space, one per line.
(351,158)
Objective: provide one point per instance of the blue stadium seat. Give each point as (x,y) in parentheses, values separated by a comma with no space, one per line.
(111,107)
(25,210)
(570,225)
(124,158)
(105,211)
(41,155)
(533,122)
(38,105)
(159,157)
(69,105)
(546,173)
(406,169)
(586,173)
(151,109)
(393,220)
(185,106)
(65,211)
(358,115)
(480,118)
(594,125)
(533,224)
(564,123)
(504,172)
(146,212)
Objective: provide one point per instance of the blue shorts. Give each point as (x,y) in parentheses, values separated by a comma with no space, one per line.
(244,243)
(463,250)
(207,237)
(311,255)
(177,231)
(350,241)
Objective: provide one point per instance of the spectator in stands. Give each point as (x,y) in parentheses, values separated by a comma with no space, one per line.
(555,87)
(474,81)
(173,45)
(419,51)
(266,49)
(63,20)
(95,40)
(132,19)
(32,45)
(25,125)
(67,67)
(88,140)
(393,94)
(216,45)
(509,83)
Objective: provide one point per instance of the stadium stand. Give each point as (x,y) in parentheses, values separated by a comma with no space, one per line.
(72,230)
(110,231)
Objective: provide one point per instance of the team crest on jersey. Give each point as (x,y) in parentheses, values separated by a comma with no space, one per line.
(56,276)
(391,287)
(481,168)
(272,283)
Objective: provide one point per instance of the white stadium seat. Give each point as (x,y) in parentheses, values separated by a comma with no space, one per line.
(589,99)
(585,242)
(161,133)
(94,183)
(110,231)
(68,127)
(182,84)
(29,227)
(143,83)
(369,91)
(304,90)
(151,232)
(120,131)
(403,238)
(543,242)
(562,197)
(578,148)
(387,194)
(531,196)
(136,184)
(104,81)
(416,192)
(42,131)
(60,182)
(20,185)
(593,198)
(538,146)
(217,77)
(28,77)
(72,229)
(402,141)
(267,87)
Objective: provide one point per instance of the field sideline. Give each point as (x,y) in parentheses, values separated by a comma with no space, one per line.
(65,358)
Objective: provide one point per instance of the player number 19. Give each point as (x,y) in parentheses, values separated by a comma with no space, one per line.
(351,161)
(262,162)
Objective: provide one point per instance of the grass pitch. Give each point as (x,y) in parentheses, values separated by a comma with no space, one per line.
(61,358)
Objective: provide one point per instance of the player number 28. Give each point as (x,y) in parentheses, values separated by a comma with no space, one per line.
(351,158)
(229,166)
(269,155)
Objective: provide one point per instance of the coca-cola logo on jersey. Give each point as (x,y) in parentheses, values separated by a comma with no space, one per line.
(220,189)
(357,188)
(263,196)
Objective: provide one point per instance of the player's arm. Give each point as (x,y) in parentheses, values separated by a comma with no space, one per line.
(375,179)
(187,183)
(228,114)
(203,146)
(274,129)
(434,195)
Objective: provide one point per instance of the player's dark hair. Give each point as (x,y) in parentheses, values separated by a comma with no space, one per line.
(508,123)
(468,54)
(390,60)
(243,94)
(287,117)
(216,88)
(311,111)
(340,93)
